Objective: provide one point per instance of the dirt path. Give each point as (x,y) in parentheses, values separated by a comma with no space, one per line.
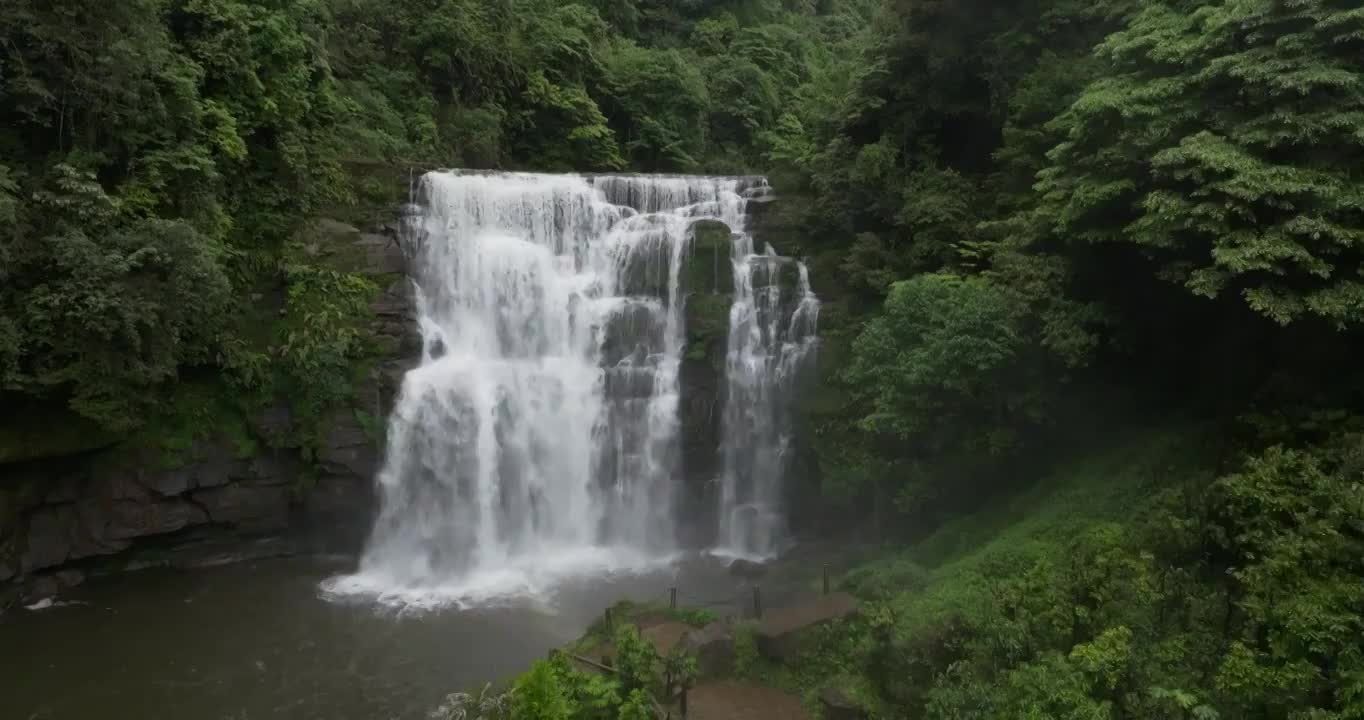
(796,617)
(742,701)
(665,636)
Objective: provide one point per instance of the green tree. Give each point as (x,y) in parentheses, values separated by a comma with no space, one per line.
(107,319)
(1222,140)
(657,102)
(947,363)
(1293,521)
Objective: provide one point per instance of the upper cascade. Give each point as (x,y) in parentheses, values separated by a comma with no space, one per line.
(538,437)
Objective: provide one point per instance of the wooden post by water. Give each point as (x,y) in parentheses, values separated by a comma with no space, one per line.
(757,602)
(684,702)
(607,617)
(826,578)
(672,598)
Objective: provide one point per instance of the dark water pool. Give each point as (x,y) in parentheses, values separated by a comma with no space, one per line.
(256,641)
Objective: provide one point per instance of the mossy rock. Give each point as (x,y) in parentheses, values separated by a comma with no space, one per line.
(646,274)
(708,267)
(342,247)
(782,224)
(782,272)
(707,324)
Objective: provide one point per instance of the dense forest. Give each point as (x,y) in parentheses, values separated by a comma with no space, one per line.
(1093,276)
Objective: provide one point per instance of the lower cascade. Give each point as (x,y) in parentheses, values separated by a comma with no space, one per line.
(539,436)
(772,335)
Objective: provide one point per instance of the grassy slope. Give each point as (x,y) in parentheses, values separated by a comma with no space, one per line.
(951,571)
(1113,483)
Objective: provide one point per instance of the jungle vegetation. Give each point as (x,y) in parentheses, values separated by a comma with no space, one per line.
(1093,276)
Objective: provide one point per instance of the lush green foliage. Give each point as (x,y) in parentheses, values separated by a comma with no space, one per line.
(1013,208)
(1133,586)
(555,689)
(947,354)
(1223,139)
(159,160)
(157,155)
(1009,209)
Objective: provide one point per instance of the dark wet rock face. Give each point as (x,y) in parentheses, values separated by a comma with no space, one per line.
(349,450)
(247,506)
(221,498)
(708,281)
(128,520)
(98,518)
(49,538)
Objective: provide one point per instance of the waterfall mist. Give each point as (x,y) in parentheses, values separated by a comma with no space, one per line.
(772,336)
(539,436)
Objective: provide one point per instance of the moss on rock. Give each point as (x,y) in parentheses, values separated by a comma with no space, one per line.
(707,325)
(708,266)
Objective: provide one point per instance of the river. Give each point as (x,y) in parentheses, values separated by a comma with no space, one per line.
(258,640)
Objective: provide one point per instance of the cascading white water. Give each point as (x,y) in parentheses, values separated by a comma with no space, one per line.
(772,336)
(539,436)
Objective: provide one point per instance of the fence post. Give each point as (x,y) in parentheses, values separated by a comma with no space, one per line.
(672,598)
(757,602)
(684,702)
(826,578)
(607,616)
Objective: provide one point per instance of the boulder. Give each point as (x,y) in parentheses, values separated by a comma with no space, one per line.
(50,585)
(49,539)
(713,646)
(747,569)
(836,704)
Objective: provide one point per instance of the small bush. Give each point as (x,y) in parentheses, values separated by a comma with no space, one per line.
(885,579)
(745,651)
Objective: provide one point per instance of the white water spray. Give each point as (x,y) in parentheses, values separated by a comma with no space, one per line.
(538,438)
(772,336)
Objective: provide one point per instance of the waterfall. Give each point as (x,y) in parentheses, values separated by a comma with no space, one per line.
(538,437)
(772,335)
